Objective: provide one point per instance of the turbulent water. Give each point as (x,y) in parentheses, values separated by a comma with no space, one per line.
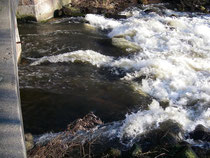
(61,79)
(173,66)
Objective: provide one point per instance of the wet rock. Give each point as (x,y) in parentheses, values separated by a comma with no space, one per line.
(136,150)
(201,152)
(130,35)
(115,16)
(176,24)
(186,152)
(126,45)
(193,4)
(29,141)
(190,5)
(200,133)
(114,152)
(153,10)
(168,134)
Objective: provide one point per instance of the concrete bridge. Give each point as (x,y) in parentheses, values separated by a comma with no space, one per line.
(11,127)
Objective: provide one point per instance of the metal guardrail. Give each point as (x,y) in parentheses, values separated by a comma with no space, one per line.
(12,143)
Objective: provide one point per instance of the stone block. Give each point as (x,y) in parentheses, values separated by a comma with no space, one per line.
(39,9)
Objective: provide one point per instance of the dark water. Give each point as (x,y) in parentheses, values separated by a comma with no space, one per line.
(54,94)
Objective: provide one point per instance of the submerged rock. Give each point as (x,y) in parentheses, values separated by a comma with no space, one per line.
(125,45)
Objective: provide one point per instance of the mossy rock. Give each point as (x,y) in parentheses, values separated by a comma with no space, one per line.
(136,150)
(72,11)
(187,152)
(29,145)
(25,18)
(114,152)
(29,141)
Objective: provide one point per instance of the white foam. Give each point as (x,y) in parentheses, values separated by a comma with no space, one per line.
(89,56)
(174,61)
(176,53)
(137,123)
(101,22)
(43,139)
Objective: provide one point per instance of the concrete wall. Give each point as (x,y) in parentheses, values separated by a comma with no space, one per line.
(39,9)
(11,128)
(18,42)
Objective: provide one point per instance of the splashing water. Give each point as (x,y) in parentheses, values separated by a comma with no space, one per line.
(174,63)
(174,60)
(89,56)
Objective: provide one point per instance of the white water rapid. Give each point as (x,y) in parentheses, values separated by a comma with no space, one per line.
(174,62)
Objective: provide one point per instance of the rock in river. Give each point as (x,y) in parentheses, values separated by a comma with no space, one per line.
(200,133)
(126,45)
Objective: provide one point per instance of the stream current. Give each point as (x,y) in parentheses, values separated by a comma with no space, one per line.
(70,68)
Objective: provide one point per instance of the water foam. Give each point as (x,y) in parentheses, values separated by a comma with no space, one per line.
(174,63)
(101,22)
(89,56)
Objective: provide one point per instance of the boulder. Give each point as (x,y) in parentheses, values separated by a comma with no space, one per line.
(186,152)
(200,133)
(168,134)
(125,45)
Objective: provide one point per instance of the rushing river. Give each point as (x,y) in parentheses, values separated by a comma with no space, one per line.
(54,94)
(69,69)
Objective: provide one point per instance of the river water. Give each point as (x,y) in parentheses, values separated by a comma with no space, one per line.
(55,94)
(70,68)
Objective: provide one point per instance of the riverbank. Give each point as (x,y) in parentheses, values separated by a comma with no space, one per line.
(89,137)
(29,11)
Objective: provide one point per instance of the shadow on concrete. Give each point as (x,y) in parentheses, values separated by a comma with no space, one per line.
(8,121)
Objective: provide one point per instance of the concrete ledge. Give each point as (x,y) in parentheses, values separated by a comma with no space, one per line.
(39,9)
(11,128)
